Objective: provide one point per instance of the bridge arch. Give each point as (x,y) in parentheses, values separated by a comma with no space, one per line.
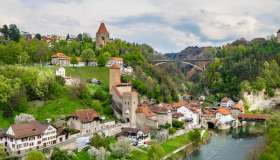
(184,62)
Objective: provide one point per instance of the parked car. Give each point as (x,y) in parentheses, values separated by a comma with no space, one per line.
(96,81)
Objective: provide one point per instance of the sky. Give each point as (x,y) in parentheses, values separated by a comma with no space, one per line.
(166,25)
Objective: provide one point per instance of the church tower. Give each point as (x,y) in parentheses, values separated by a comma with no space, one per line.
(102,36)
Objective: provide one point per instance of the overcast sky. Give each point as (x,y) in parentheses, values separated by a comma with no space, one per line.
(166,25)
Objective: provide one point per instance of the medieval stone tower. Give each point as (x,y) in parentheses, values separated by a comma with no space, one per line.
(114,77)
(102,36)
(130,104)
(278,36)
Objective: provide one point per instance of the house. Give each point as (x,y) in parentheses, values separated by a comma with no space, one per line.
(23,137)
(60,72)
(87,121)
(226,102)
(136,135)
(82,63)
(178,116)
(224,118)
(146,117)
(163,113)
(115,60)
(127,70)
(111,128)
(60,59)
(190,110)
(237,109)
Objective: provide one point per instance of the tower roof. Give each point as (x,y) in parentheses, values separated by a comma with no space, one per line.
(102,29)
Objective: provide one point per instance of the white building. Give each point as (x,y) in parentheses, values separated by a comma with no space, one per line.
(224,118)
(127,70)
(60,72)
(87,121)
(136,135)
(226,102)
(190,114)
(115,60)
(31,135)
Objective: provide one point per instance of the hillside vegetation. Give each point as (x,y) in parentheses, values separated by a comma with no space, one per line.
(243,66)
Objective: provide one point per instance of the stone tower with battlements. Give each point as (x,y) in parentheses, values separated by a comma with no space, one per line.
(114,77)
(102,36)
(130,104)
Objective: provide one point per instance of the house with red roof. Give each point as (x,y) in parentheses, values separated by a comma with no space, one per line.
(60,59)
(87,121)
(22,137)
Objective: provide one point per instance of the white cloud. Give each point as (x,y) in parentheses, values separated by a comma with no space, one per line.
(216,21)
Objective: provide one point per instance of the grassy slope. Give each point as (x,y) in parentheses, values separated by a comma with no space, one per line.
(86,73)
(64,104)
(168,146)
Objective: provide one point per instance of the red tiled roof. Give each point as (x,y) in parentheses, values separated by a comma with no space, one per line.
(177,115)
(60,55)
(33,128)
(223,111)
(161,108)
(86,115)
(179,104)
(238,106)
(145,109)
(102,29)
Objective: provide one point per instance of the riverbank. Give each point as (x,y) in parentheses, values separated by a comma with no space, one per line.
(172,146)
(228,145)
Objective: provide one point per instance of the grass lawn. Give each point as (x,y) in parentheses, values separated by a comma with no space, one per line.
(169,146)
(87,73)
(63,105)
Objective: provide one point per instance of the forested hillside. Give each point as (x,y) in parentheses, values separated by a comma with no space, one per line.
(28,84)
(243,66)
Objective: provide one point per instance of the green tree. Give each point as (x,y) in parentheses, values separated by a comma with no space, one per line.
(35,155)
(195,136)
(156,152)
(14,33)
(98,141)
(87,55)
(38,36)
(102,60)
(5,31)
(3,153)
(74,60)
(58,154)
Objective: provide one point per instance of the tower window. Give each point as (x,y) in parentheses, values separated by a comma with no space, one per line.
(103,38)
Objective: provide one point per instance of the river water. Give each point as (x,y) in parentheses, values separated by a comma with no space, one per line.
(230,145)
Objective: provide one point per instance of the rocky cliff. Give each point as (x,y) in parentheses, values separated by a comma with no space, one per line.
(260,101)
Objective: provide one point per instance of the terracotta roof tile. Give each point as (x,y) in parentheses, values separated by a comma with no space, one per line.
(22,130)
(60,55)
(86,115)
(223,111)
(102,29)
(145,109)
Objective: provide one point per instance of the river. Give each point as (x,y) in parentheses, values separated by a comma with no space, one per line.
(230,145)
